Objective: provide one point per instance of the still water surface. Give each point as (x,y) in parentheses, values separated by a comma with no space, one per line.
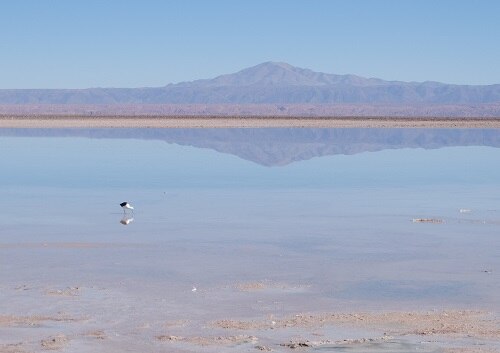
(320,218)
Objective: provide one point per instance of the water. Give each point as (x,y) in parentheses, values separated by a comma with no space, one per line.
(261,221)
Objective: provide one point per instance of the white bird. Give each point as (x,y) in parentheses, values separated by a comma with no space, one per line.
(194,289)
(126,206)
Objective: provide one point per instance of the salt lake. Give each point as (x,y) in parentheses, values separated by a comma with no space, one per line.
(252,225)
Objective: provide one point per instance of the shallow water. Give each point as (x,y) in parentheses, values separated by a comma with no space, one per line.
(394,346)
(259,224)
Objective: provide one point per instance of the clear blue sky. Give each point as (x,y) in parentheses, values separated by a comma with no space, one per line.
(120,43)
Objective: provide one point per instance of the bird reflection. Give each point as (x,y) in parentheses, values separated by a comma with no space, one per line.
(126,220)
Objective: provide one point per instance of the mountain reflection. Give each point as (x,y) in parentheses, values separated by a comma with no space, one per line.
(282,146)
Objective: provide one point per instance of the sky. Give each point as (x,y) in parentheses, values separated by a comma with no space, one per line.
(150,43)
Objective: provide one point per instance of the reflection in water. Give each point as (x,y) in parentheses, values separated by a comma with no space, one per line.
(126,220)
(282,146)
(149,162)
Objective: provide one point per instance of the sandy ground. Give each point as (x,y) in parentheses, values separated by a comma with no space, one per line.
(438,330)
(445,331)
(241,122)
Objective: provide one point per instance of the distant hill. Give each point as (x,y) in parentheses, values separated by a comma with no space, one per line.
(268,83)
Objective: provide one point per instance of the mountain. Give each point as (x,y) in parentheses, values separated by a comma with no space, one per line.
(278,147)
(268,83)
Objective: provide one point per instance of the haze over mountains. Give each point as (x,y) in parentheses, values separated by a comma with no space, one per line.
(269,88)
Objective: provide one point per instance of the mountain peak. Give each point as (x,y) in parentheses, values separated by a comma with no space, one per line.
(280,74)
(271,73)
(276,65)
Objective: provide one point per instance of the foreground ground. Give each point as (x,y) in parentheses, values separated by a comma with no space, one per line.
(53,329)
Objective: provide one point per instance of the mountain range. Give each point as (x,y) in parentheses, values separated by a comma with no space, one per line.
(268,83)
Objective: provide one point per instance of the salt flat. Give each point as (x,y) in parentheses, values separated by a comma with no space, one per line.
(74,121)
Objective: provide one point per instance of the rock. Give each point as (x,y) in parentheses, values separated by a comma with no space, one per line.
(54,342)
(169,338)
(427,220)
(294,345)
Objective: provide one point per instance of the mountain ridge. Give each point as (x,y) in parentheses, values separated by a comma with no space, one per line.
(281,73)
(268,83)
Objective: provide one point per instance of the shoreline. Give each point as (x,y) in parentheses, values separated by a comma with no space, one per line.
(450,331)
(81,121)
